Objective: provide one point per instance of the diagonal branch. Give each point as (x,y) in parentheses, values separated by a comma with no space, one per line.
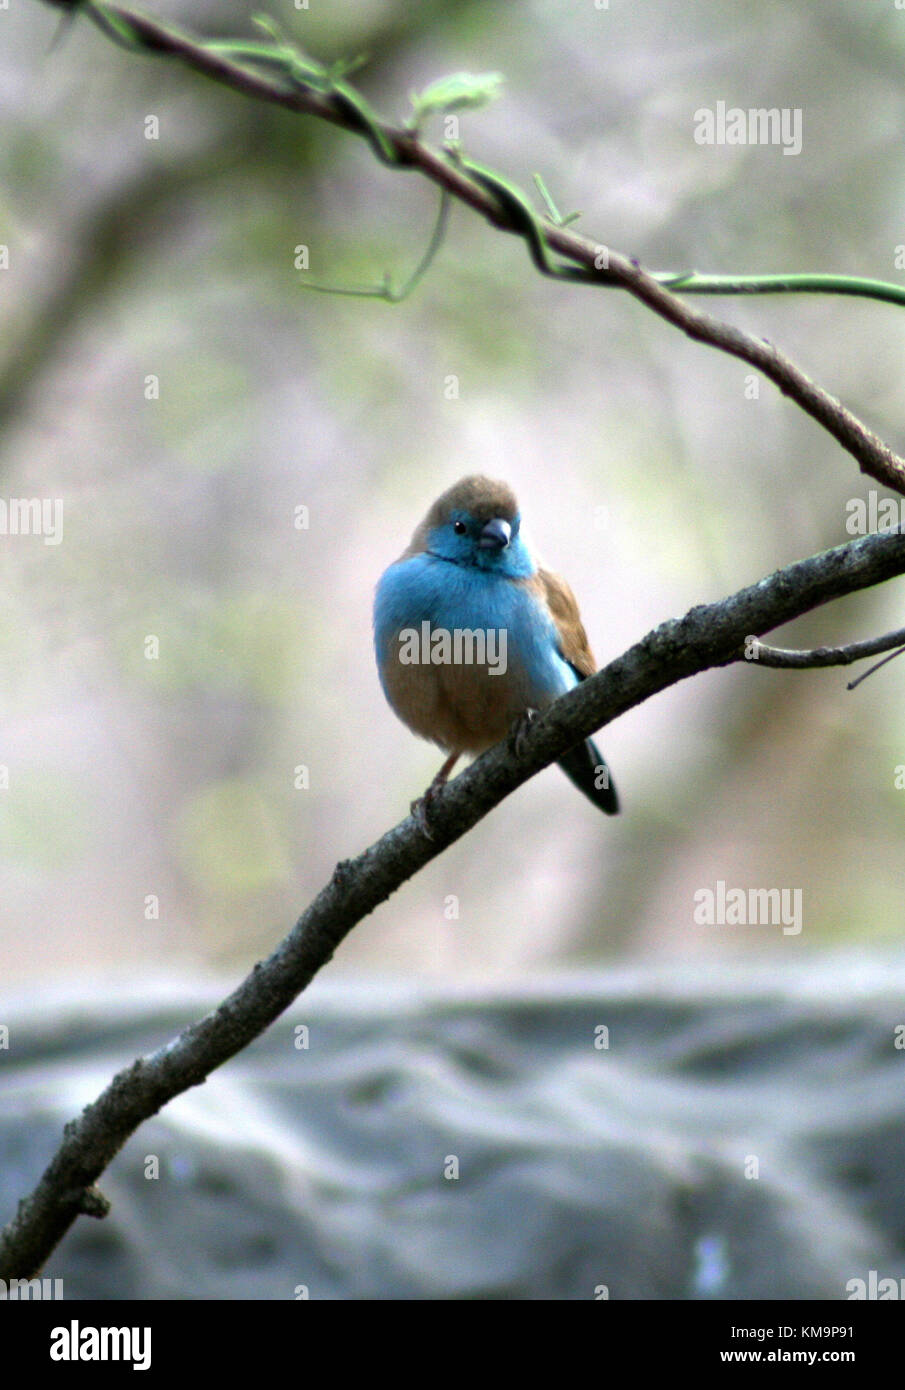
(245,68)
(708,636)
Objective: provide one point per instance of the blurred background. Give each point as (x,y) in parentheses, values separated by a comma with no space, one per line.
(645,470)
(647,473)
(167,667)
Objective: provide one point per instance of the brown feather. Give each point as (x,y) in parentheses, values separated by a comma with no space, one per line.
(460,708)
(573,640)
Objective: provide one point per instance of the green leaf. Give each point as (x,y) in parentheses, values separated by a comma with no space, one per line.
(458,92)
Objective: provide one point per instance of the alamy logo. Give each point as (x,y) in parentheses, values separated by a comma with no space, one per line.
(79,1342)
(757,126)
(32,516)
(461,646)
(875,1286)
(22,1289)
(874,513)
(749,907)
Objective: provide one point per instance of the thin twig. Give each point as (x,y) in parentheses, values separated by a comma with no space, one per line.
(876,667)
(784,658)
(508,209)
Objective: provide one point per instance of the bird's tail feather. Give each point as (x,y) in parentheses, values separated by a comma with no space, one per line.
(587,769)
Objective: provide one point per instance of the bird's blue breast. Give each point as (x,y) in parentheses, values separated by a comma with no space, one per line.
(422,588)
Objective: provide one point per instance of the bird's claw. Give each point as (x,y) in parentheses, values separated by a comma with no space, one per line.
(420,809)
(520,731)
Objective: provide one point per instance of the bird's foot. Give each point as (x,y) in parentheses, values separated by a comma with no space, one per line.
(520,731)
(420,809)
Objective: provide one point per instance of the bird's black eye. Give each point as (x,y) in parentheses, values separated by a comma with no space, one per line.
(460,528)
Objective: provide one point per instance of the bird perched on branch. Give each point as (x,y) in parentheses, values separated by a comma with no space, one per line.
(472,636)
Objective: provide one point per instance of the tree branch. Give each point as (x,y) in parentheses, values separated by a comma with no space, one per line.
(708,636)
(783,658)
(506,208)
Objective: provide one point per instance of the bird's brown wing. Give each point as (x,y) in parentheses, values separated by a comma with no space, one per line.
(573,640)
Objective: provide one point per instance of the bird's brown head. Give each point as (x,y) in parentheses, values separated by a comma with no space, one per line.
(476,502)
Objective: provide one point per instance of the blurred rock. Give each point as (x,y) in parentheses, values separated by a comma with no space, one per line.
(742,1136)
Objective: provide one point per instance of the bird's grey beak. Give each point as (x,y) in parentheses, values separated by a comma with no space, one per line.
(496,535)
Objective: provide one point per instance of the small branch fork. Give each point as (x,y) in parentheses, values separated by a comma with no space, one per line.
(782,658)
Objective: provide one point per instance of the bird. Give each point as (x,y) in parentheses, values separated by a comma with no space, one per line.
(473,637)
